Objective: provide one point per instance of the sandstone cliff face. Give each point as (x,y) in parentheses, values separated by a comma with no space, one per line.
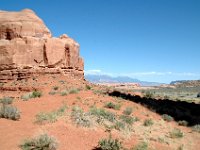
(27,48)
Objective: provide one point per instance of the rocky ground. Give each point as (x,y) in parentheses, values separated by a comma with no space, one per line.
(77,127)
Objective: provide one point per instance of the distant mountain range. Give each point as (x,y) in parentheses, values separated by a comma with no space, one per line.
(119,79)
(183,83)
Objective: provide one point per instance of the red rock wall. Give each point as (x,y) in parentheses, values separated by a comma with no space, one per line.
(26,48)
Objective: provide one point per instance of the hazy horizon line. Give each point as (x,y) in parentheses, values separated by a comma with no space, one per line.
(149,74)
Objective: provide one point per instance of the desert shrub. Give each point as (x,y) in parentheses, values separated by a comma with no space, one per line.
(112,106)
(198,95)
(45,117)
(42,142)
(81,118)
(176,133)
(78,98)
(196,128)
(148,94)
(50,117)
(119,125)
(182,123)
(127,119)
(137,119)
(61,110)
(117,106)
(73,91)
(110,144)
(9,112)
(148,122)
(63,93)
(141,146)
(36,94)
(167,117)
(30,95)
(99,112)
(55,88)
(88,87)
(52,92)
(6,100)
(128,111)
(26,96)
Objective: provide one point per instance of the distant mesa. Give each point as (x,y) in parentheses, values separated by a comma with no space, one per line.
(27,47)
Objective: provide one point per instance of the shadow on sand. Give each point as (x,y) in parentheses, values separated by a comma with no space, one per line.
(179,110)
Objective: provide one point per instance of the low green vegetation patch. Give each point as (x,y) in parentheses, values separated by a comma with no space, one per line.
(30,95)
(141,146)
(9,112)
(196,128)
(101,117)
(102,113)
(6,100)
(52,92)
(81,118)
(176,133)
(148,94)
(87,87)
(63,93)
(110,144)
(41,142)
(182,93)
(167,117)
(182,123)
(36,94)
(73,91)
(26,96)
(128,119)
(148,122)
(111,105)
(50,117)
(119,125)
(128,111)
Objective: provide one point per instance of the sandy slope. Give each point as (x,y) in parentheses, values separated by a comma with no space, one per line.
(71,137)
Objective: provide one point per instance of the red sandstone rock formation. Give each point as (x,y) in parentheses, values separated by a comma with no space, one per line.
(27,47)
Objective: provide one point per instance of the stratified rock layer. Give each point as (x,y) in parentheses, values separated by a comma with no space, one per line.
(27,48)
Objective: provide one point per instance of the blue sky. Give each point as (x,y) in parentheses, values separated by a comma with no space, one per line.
(153,40)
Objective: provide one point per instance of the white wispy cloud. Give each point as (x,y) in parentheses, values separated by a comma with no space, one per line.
(151,73)
(95,71)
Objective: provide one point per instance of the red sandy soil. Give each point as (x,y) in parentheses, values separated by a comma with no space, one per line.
(72,137)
